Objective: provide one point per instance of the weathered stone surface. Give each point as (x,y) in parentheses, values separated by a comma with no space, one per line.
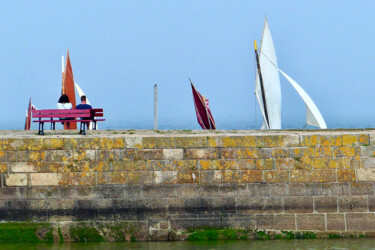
(360,221)
(285,222)
(173,154)
(298,205)
(165,177)
(260,205)
(23,167)
(306,176)
(362,188)
(366,174)
(353,204)
(45,179)
(325,204)
(335,222)
(311,222)
(16,180)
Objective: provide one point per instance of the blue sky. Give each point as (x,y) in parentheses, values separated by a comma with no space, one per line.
(120,49)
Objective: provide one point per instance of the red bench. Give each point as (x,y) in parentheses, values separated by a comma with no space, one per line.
(84,116)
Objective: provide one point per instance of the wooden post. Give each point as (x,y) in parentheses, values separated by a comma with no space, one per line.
(155,107)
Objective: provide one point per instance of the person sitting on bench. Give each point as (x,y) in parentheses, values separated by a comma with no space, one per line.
(83,104)
(64,103)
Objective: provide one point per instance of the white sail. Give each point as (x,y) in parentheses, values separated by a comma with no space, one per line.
(81,93)
(313,115)
(271,81)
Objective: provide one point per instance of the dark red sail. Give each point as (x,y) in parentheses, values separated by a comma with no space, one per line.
(204,115)
(28,117)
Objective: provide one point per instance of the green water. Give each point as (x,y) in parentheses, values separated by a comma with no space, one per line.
(210,245)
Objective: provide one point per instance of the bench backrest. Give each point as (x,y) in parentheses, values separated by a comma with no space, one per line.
(67,113)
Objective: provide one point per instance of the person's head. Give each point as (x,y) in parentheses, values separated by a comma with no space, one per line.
(83,99)
(64,99)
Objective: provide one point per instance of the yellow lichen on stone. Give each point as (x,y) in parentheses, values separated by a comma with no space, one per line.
(250,176)
(330,140)
(3,168)
(272,141)
(204,164)
(231,142)
(364,139)
(279,176)
(349,140)
(148,142)
(263,164)
(319,163)
(345,151)
(346,175)
(53,143)
(310,141)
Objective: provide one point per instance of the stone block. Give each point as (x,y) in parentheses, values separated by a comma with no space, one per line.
(180,165)
(133,142)
(165,177)
(3,168)
(362,188)
(366,174)
(353,203)
(276,176)
(211,176)
(346,151)
(45,179)
(128,165)
(159,191)
(360,221)
(191,142)
(280,153)
(8,156)
(335,189)
(201,153)
(323,152)
(297,189)
(149,142)
(60,155)
(290,140)
(264,164)
(335,222)
(224,205)
(367,151)
(79,179)
(173,154)
(208,191)
(231,176)
(325,204)
(368,162)
(285,222)
(245,164)
(165,142)
(53,143)
(188,177)
(89,155)
(140,177)
(259,205)
(86,144)
(149,154)
(287,163)
(240,153)
(330,140)
(346,175)
(306,176)
(23,167)
(349,140)
(200,206)
(251,176)
(309,140)
(264,222)
(298,204)
(233,190)
(258,189)
(371,203)
(214,141)
(311,222)
(111,178)
(112,143)
(16,179)
(187,190)
(278,189)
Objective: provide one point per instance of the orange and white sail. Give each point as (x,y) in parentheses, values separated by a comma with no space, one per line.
(68,87)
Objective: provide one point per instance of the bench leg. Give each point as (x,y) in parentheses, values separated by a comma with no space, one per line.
(83,128)
(41,128)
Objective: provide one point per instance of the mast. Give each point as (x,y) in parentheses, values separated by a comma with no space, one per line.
(261,85)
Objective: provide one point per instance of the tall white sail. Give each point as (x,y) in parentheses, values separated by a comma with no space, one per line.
(81,93)
(313,115)
(271,81)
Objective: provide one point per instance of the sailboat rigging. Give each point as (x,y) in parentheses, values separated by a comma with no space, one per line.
(268,93)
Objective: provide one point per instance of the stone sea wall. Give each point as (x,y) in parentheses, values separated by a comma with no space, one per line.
(160,186)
